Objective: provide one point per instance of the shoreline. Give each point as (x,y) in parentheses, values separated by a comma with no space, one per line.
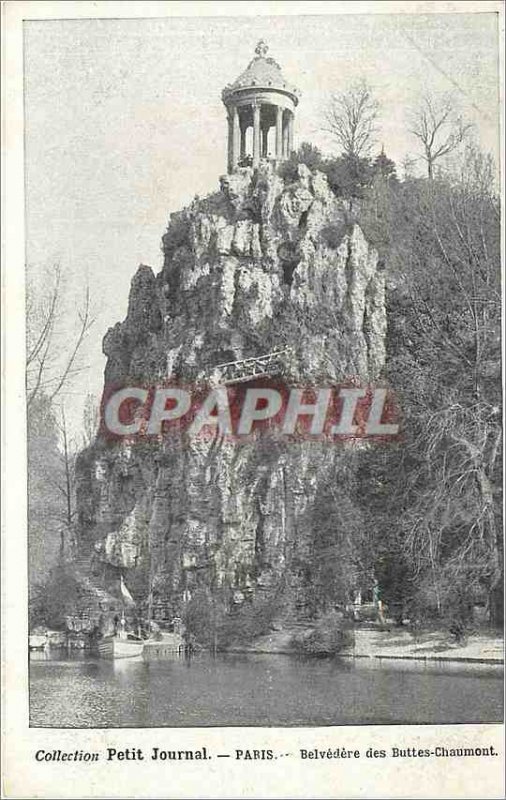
(397,645)
(496,662)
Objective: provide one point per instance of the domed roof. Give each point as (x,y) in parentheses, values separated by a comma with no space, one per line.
(261,73)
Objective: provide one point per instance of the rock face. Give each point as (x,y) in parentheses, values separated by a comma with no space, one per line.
(262,264)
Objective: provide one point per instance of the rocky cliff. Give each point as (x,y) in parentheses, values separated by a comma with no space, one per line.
(267,262)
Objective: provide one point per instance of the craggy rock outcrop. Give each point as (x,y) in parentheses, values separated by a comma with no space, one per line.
(260,265)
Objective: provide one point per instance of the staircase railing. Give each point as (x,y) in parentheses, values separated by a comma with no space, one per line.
(253,367)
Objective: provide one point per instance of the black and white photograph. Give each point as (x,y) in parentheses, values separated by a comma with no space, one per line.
(262,360)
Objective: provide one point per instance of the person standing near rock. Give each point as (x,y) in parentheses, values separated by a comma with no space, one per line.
(377,601)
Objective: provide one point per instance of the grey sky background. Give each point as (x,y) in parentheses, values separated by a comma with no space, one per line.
(124,124)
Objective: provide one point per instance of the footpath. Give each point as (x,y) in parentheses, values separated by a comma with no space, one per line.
(485,648)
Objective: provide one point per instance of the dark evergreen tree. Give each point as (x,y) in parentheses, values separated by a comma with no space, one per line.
(349,176)
(384,168)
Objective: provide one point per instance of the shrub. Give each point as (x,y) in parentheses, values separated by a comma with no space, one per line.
(209,623)
(51,601)
(199,618)
(349,176)
(331,634)
(176,234)
(287,170)
(307,154)
(252,620)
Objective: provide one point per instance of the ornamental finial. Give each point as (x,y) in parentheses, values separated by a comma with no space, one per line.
(261,49)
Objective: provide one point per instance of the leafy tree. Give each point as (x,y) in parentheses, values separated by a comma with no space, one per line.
(349,176)
(311,156)
(54,598)
(339,557)
(200,617)
(307,154)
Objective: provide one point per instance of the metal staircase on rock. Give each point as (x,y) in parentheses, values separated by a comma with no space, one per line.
(246,369)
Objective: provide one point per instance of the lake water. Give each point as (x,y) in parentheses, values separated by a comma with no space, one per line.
(258,690)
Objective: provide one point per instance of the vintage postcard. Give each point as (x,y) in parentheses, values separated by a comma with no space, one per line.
(253,541)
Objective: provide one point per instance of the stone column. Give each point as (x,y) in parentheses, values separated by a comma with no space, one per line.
(279,133)
(256,135)
(265,142)
(285,136)
(244,128)
(290,135)
(230,142)
(236,136)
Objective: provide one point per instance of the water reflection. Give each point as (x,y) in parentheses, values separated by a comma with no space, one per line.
(122,667)
(240,689)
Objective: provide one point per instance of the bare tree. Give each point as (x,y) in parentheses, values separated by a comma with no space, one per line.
(91,419)
(450,370)
(408,164)
(52,359)
(66,485)
(438,127)
(46,371)
(351,119)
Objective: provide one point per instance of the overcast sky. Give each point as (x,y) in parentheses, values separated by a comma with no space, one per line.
(125,124)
